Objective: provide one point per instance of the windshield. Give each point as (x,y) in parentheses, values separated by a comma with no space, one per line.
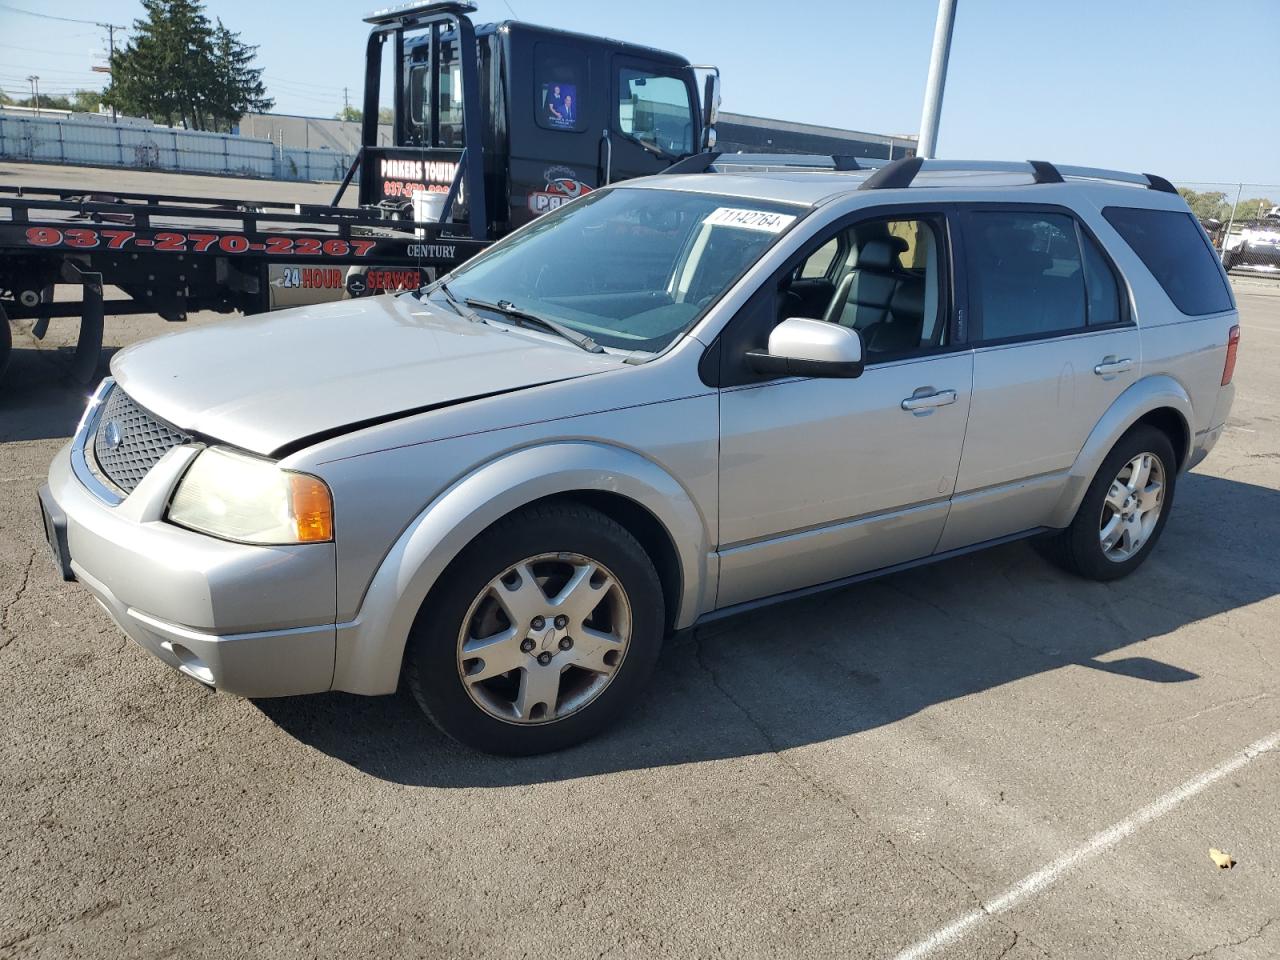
(631,268)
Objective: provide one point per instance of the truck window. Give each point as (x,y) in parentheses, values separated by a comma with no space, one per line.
(1175,249)
(448,101)
(559,83)
(654,109)
(449,97)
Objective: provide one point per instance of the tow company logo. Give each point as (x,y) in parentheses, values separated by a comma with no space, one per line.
(562,186)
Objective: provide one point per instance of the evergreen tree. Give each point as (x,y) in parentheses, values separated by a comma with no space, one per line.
(178,67)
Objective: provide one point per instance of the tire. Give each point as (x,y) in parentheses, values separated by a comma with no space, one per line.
(1079,548)
(564,550)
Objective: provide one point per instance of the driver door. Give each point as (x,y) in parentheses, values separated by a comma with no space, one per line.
(653,118)
(823,479)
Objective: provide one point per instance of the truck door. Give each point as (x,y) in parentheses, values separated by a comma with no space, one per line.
(653,118)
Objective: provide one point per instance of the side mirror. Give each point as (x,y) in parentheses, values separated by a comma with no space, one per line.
(799,347)
(710,108)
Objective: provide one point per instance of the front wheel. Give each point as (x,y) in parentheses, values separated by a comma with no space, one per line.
(543,631)
(1124,510)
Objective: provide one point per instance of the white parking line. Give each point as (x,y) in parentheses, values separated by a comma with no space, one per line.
(1035,882)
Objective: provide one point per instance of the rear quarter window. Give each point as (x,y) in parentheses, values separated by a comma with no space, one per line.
(1173,247)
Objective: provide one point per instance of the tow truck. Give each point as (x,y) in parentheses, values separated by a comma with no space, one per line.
(493,126)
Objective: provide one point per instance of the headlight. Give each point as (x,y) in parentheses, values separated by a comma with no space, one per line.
(238,497)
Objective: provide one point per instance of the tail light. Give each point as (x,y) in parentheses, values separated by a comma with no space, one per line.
(1233,344)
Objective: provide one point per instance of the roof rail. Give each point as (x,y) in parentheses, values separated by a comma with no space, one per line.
(840,162)
(902,173)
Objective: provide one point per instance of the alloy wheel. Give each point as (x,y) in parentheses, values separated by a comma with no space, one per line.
(1132,507)
(544,638)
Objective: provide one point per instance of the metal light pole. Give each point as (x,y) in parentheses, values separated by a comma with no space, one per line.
(35,91)
(937,78)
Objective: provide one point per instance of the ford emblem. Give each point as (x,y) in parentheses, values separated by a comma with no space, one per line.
(112,435)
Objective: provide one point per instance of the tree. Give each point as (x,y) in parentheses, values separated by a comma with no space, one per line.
(178,66)
(1211,205)
(86,101)
(1254,208)
(237,86)
(355,115)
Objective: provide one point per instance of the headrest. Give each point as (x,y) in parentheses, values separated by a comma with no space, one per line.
(880,254)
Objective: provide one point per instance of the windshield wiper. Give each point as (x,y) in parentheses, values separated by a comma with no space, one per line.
(509,309)
(458,308)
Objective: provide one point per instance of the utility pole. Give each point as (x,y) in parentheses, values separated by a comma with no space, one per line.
(35,91)
(346,113)
(937,78)
(111,29)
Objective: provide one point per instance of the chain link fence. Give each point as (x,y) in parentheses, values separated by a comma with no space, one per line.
(1242,220)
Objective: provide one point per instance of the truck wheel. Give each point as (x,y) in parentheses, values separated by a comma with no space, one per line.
(1124,510)
(543,631)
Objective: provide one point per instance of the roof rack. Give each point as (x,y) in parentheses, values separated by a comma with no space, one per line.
(902,173)
(839,162)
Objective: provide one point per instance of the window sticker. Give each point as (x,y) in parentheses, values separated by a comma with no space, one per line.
(744,219)
(560,104)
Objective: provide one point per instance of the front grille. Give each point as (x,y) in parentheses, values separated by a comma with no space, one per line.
(130,441)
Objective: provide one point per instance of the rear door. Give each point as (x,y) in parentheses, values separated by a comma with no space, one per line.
(654,117)
(1054,347)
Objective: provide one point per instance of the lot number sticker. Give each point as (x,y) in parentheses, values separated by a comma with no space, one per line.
(749,219)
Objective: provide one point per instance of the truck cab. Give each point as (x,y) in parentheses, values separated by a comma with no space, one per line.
(509,120)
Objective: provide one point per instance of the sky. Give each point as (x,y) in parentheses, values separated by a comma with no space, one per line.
(1160,86)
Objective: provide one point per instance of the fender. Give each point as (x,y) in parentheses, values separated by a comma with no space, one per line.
(1149,393)
(370,647)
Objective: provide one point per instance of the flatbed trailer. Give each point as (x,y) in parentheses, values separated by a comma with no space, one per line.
(171,255)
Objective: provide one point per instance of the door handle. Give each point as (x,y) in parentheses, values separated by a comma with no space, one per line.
(915,404)
(608,157)
(1110,366)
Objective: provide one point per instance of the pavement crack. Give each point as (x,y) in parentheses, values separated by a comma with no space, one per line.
(832,795)
(1225,704)
(1234,943)
(5,636)
(1009,947)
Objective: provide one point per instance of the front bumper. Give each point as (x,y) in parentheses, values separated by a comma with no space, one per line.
(250,620)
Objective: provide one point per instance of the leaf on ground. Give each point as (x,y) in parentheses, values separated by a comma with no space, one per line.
(1223,860)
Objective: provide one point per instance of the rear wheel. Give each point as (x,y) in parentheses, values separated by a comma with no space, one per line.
(543,631)
(1124,510)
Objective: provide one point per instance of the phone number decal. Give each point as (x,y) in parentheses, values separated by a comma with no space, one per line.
(84,239)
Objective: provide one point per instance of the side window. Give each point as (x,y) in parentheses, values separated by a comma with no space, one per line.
(1026,276)
(819,263)
(1174,248)
(1100,284)
(559,82)
(654,109)
(449,97)
(446,105)
(889,287)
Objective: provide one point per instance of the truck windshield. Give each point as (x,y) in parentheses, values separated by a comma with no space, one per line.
(631,268)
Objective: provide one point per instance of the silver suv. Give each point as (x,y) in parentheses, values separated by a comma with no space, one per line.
(667,402)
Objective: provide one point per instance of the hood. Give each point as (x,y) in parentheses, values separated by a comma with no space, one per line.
(264,382)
